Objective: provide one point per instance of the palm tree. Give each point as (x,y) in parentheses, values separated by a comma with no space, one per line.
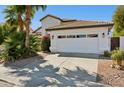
(29,10)
(14,16)
(20,10)
(21,16)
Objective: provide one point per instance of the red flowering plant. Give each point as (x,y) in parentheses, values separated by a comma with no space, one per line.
(45,44)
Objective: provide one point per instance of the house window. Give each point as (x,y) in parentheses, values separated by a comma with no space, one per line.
(61,36)
(92,35)
(81,36)
(71,36)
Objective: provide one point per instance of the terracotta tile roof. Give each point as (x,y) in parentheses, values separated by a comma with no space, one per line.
(72,23)
(80,24)
(68,20)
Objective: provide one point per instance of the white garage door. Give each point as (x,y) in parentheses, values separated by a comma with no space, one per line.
(78,43)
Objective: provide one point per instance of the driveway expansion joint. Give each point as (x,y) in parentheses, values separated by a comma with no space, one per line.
(5,81)
(63,62)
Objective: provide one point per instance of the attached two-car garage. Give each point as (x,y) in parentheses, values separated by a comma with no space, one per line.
(77,43)
(89,40)
(77,36)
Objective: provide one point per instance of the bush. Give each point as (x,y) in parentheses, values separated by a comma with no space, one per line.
(45,44)
(107,53)
(5,30)
(14,47)
(118,56)
(4,56)
(35,43)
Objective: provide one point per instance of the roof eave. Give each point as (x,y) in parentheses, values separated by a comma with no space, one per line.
(90,26)
(51,16)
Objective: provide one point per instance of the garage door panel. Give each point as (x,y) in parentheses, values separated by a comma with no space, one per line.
(80,45)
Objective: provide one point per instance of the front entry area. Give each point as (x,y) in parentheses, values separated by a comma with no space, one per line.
(115,43)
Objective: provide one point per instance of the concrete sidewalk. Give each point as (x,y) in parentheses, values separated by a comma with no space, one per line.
(54,70)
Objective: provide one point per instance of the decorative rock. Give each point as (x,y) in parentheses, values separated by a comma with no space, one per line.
(122,68)
(112,66)
(118,67)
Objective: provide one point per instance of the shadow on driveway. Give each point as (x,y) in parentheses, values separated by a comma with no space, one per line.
(40,73)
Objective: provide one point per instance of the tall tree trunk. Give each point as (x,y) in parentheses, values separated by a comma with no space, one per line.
(20,21)
(28,19)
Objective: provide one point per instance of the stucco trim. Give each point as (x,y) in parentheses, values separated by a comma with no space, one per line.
(51,16)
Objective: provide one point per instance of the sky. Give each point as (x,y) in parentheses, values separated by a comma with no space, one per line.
(79,12)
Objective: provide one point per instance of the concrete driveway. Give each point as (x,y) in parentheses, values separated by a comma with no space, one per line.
(75,62)
(54,70)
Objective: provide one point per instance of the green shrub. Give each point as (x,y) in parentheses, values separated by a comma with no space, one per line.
(35,43)
(14,47)
(107,53)
(6,30)
(118,56)
(45,44)
(4,56)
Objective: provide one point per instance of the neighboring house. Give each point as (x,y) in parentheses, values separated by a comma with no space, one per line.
(77,36)
(38,31)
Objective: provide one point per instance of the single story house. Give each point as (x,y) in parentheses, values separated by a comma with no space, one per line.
(77,36)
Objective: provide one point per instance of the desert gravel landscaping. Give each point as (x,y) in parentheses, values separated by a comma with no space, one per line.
(108,75)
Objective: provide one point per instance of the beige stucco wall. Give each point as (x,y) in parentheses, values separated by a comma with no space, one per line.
(50,22)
